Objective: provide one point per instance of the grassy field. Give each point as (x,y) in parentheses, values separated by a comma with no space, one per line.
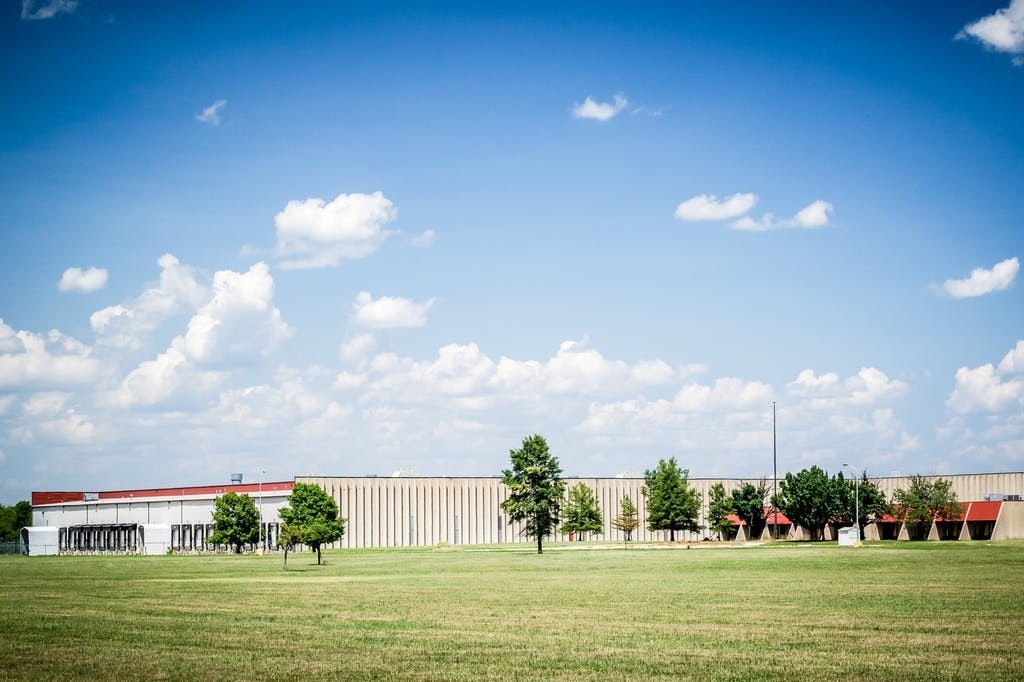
(884,611)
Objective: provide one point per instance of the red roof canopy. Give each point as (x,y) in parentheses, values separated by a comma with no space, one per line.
(984,511)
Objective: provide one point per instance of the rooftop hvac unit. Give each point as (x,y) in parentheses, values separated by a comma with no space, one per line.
(236,479)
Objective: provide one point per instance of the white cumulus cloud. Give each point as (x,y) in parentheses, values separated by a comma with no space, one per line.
(128,325)
(240,323)
(986,411)
(36,360)
(1013,361)
(34,10)
(389,311)
(357,348)
(708,207)
(315,233)
(984,390)
(211,114)
(425,239)
(168,377)
(83,281)
(1002,30)
(236,328)
(600,111)
(983,281)
(814,215)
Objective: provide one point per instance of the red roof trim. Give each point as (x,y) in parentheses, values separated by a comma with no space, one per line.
(44,498)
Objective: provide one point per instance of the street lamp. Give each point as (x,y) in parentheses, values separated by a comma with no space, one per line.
(263,540)
(856,500)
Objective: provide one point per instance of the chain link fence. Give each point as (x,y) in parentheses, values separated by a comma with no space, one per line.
(10,548)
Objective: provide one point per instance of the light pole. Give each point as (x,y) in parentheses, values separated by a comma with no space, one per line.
(775,477)
(856,500)
(263,540)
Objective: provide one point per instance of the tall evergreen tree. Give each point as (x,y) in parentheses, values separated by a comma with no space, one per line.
(628,520)
(582,514)
(535,489)
(671,503)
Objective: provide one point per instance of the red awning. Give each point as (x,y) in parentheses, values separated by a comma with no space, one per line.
(984,511)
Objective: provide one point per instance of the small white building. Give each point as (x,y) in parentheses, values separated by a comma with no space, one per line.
(40,540)
(849,536)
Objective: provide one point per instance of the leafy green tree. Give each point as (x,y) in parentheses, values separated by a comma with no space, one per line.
(628,520)
(871,504)
(719,508)
(535,489)
(235,521)
(13,518)
(582,514)
(922,501)
(671,503)
(748,504)
(811,499)
(288,537)
(313,514)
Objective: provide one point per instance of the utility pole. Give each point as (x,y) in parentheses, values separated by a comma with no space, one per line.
(856,500)
(262,537)
(775,477)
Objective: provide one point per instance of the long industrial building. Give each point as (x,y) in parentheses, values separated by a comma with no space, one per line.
(427,511)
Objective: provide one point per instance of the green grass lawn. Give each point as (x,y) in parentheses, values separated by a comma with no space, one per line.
(885,611)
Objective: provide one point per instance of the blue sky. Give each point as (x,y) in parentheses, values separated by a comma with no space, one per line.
(353,238)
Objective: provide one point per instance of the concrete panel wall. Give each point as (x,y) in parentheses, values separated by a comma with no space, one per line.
(1010,524)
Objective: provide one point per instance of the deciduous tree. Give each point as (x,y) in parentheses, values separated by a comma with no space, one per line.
(748,504)
(671,503)
(535,489)
(288,537)
(923,501)
(871,503)
(13,518)
(811,499)
(719,508)
(628,520)
(313,514)
(235,521)
(582,514)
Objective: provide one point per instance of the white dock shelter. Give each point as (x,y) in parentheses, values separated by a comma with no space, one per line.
(154,538)
(40,540)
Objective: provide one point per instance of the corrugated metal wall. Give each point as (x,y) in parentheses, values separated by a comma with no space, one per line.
(400,512)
